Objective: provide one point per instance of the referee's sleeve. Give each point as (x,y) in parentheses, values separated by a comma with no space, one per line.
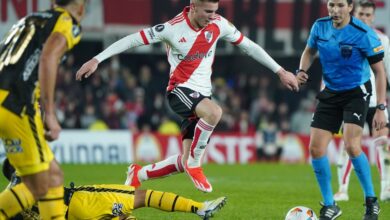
(375,58)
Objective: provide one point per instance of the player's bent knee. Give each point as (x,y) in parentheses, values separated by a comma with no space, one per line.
(56,175)
(139,198)
(214,115)
(218,112)
(317,152)
(38,184)
(38,190)
(56,179)
(353,150)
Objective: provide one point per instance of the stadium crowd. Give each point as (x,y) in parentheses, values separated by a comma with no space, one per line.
(124,97)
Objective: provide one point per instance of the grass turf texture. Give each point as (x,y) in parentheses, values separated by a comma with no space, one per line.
(256,191)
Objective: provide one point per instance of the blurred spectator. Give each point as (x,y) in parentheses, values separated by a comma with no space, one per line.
(301,119)
(118,98)
(267,140)
(282,117)
(243,124)
(89,116)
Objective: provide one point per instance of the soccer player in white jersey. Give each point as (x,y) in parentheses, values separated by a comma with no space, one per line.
(365,11)
(191,39)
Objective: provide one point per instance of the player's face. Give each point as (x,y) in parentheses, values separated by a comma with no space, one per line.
(366,14)
(204,12)
(340,11)
(81,9)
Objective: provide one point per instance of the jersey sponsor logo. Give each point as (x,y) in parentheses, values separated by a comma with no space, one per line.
(195,95)
(366,95)
(209,36)
(377,49)
(42,14)
(31,63)
(196,56)
(117,209)
(12,146)
(76,30)
(151,33)
(159,27)
(182,40)
(358,116)
(346,51)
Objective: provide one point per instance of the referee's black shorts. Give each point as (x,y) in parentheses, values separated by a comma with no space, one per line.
(335,107)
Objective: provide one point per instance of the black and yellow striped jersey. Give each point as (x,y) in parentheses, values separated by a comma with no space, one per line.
(20,52)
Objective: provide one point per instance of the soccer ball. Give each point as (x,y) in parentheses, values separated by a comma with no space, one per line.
(301,213)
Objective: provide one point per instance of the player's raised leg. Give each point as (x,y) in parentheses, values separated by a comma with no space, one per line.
(137,174)
(210,114)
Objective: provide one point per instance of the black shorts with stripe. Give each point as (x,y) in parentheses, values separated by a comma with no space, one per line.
(183,102)
(113,200)
(335,107)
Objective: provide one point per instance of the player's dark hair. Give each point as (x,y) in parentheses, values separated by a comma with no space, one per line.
(64,2)
(349,2)
(209,1)
(366,4)
(8,169)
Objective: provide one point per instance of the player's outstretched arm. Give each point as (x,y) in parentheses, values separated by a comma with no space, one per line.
(87,69)
(259,54)
(288,79)
(130,41)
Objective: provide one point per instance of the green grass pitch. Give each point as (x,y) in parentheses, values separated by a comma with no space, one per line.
(255,191)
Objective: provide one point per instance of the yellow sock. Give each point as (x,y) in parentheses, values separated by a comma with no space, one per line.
(170,202)
(52,205)
(14,200)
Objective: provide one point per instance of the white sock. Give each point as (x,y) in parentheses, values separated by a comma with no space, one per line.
(202,134)
(344,167)
(171,165)
(382,160)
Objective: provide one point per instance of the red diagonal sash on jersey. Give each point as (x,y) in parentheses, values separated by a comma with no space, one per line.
(185,68)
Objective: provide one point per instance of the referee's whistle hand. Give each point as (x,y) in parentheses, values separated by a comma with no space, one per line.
(302,78)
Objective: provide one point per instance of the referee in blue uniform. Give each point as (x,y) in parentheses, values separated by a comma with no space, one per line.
(347,48)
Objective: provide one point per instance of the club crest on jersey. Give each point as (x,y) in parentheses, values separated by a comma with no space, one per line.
(209,36)
(346,51)
(12,146)
(195,95)
(117,209)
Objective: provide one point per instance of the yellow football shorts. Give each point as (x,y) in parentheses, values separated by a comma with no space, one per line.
(101,202)
(24,141)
